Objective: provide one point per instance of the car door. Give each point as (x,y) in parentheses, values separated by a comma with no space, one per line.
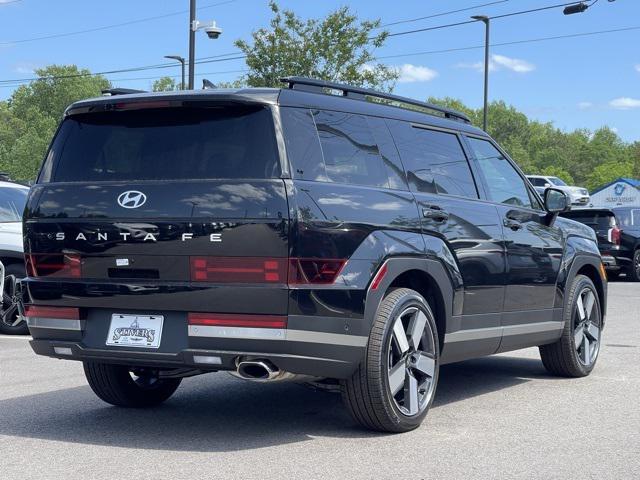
(440,177)
(534,249)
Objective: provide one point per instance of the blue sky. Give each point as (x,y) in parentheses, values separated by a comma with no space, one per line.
(581,82)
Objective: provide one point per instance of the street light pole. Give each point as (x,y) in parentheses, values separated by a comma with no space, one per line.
(486,21)
(192,42)
(181,60)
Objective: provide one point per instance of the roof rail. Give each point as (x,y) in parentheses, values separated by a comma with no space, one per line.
(359,93)
(120,91)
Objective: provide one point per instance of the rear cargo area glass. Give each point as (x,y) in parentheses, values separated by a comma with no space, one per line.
(164,144)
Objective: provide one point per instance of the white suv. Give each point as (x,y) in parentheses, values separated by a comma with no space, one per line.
(578,195)
(13,197)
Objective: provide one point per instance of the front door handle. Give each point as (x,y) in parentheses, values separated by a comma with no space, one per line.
(512,224)
(436,213)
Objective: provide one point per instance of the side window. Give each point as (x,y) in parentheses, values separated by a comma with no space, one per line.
(389,153)
(434,161)
(504,184)
(303,145)
(537,182)
(350,152)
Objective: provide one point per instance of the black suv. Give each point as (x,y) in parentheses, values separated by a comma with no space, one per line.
(618,233)
(318,231)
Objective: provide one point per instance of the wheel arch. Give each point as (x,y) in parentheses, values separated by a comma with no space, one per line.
(591,267)
(424,275)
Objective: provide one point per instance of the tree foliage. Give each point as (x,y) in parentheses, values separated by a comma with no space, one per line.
(30,116)
(165,84)
(335,48)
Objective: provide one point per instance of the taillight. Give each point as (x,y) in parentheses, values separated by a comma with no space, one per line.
(295,271)
(59,265)
(237,320)
(238,270)
(615,233)
(314,270)
(67,313)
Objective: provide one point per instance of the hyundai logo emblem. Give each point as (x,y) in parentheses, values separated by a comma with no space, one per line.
(131,199)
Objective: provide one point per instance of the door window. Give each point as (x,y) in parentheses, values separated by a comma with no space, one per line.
(504,184)
(434,161)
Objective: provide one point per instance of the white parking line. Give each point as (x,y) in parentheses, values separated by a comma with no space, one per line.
(15,337)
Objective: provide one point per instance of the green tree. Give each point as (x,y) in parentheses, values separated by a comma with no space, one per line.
(165,84)
(336,48)
(30,116)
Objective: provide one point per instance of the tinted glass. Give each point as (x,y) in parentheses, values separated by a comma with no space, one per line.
(504,184)
(12,201)
(303,144)
(537,182)
(165,144)
(389,153)
(596,219)
(350,152)
(434,161)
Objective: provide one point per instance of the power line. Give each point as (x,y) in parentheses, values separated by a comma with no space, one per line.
(441,14)
(511,14)
(514,42)
(107,27)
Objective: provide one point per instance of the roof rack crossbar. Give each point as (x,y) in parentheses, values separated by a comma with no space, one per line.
(359,93)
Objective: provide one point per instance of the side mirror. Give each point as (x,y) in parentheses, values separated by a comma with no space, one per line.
(547,185)
(556,201)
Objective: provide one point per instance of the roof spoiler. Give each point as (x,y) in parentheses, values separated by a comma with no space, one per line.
(120,91)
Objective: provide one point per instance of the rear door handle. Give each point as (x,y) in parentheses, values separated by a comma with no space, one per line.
(436,213)
(512,224)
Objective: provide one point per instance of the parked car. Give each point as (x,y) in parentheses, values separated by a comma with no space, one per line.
(578,195)
(13,197)
(618,233)
(295,234)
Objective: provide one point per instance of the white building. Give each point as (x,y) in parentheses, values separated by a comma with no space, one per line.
(623,192)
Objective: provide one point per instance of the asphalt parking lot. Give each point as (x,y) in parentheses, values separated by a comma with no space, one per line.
(496,417)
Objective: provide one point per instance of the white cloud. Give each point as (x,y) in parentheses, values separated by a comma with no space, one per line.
(24,67)
(500,62)
(514,64)
(625,103)
(415,73)
(584,105)
(637,67)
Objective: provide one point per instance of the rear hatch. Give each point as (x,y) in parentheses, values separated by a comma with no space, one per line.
(149,207)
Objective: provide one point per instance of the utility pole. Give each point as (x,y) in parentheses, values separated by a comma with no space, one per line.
(192,42)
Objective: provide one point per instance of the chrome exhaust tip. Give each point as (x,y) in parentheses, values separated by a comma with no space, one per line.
(261,370)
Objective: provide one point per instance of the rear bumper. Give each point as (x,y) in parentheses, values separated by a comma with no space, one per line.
(309,346)
(615,260)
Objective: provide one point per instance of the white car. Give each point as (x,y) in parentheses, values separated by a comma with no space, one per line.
(578,195)
(13,197)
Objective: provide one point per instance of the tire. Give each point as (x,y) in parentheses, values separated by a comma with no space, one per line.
(633,273)
(576,352)
(115,384)
(9,314)
(368,393)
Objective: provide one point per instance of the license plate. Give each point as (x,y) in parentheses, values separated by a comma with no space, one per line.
(135,330)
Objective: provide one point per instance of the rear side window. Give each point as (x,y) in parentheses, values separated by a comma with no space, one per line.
(165,144)
(434,161)
(332,146)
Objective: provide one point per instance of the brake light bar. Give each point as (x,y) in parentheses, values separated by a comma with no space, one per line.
(59,265)
(237,320)
(38,311)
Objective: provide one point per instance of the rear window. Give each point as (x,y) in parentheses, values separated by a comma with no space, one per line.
(164,144)
(597,220)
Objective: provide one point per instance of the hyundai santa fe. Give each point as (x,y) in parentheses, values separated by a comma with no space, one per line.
(318,232)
